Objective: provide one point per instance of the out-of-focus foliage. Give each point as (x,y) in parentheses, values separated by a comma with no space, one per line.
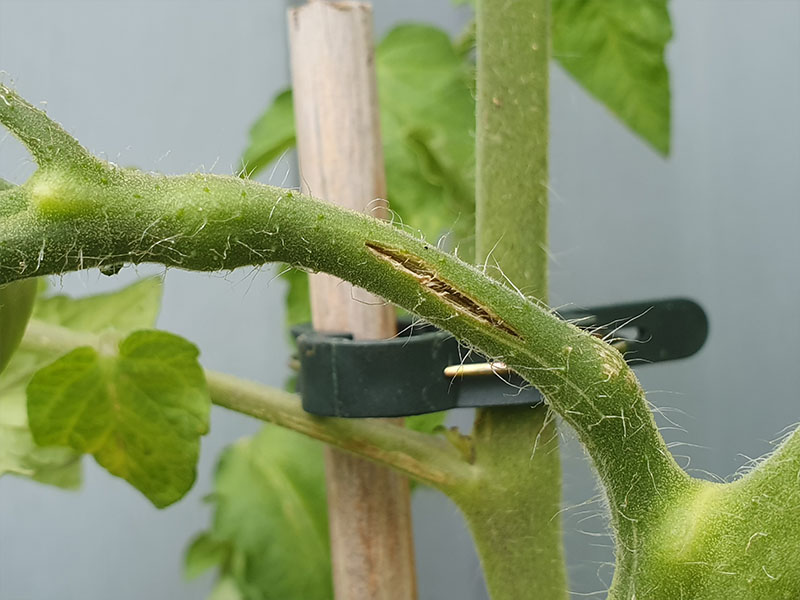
(119,313)
(269,537)
(615,49)
(139,407)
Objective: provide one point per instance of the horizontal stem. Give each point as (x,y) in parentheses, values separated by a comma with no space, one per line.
(429,459)
(44,337)
(72,217)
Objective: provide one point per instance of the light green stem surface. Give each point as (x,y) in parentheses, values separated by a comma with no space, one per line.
(522,557)
(511,201)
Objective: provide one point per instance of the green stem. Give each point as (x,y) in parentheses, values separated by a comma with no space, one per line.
(511,218)
(49,145)
(427,458)
(511,198)
(73,217)
(512,513)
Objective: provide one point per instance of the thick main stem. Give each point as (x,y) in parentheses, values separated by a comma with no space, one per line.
(519,448)
(71,217)
(511,200)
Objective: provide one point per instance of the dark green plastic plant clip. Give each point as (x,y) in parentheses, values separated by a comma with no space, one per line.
(424,370)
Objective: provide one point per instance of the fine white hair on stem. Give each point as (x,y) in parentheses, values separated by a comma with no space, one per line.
(548,419)
(485,265)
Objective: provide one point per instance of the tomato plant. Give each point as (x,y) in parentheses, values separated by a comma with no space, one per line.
(90,378)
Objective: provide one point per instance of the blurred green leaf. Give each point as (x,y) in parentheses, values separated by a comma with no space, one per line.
(298,307)
(428,124)
(16,304)
(226,589)
(615,49)
(124,311)
(428,423)
(140,410)
(134,307)
(270,511)
(272,135)
(205,552)
(19,454)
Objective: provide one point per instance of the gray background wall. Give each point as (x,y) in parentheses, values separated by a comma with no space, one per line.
(173,85)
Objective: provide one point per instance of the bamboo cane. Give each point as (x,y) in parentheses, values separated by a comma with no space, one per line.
(341,160)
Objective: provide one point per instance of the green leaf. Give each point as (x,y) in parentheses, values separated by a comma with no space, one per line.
(226,589)
(270,516)
(205,552)
(428,124)
(272,135)
(19,455)
(615,49)
(270,509)
(140,411)
(132,308)
(16,304)
(298,307)
(428,423)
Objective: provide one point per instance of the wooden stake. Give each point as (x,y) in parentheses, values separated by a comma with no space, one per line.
(341,160)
